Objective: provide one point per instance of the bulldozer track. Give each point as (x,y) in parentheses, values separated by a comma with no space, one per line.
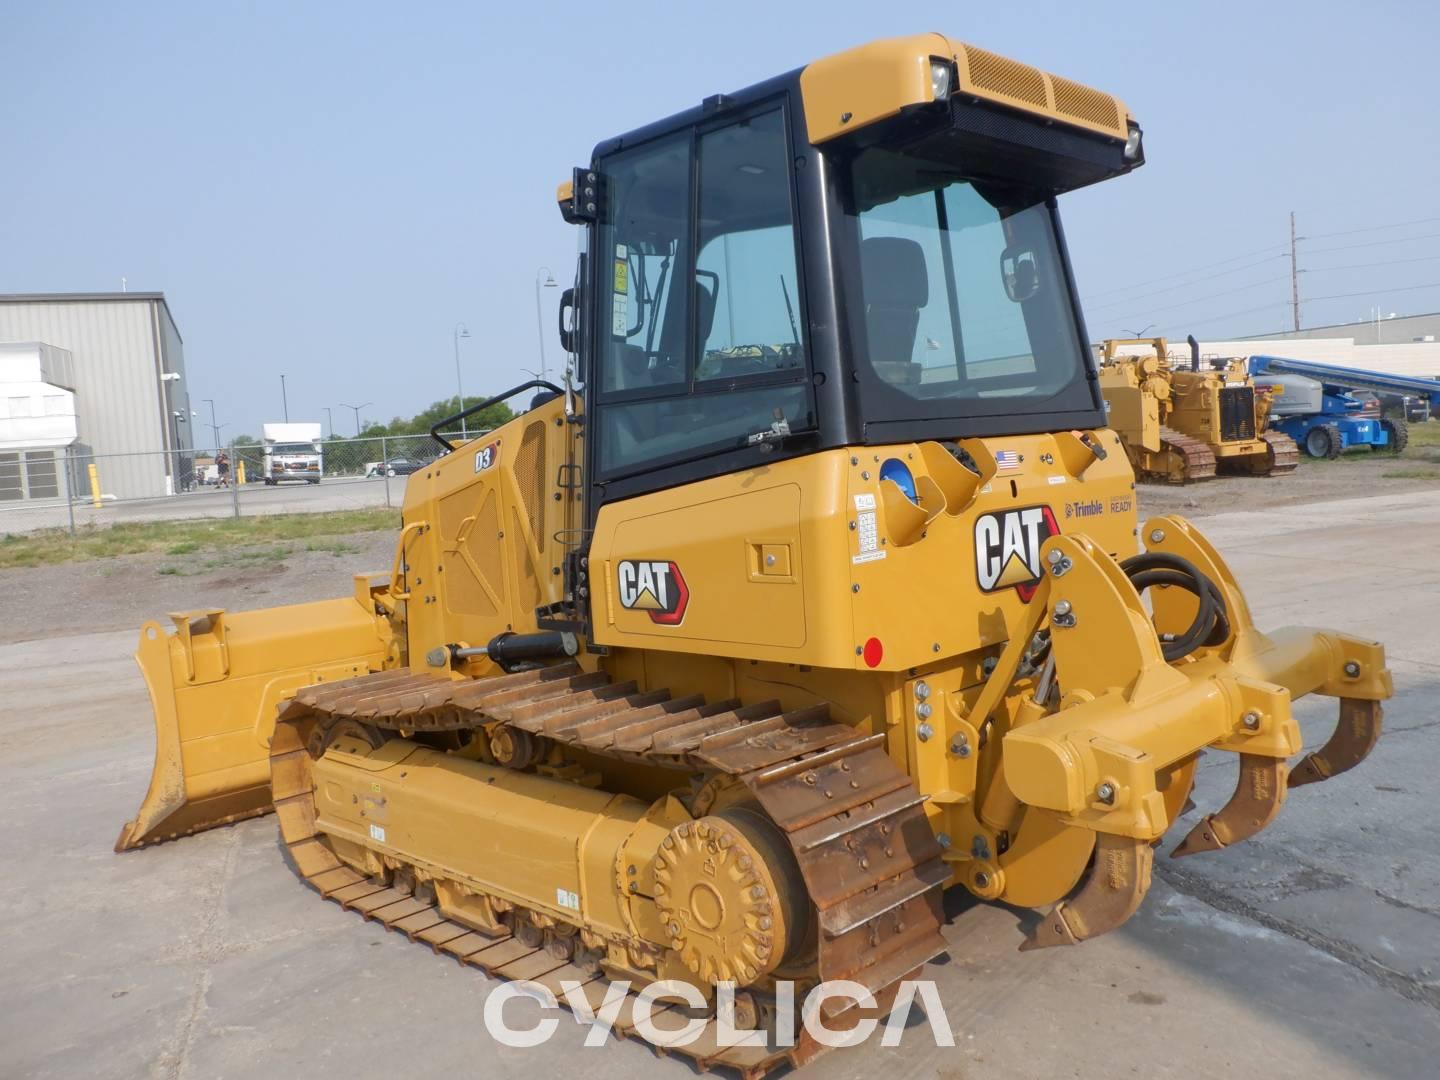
(1197,457)
(854,820)
(1284,454)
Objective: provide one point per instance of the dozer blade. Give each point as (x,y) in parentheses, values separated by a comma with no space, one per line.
(1119,879)
(1259,794)
(1351,742)
(215,682)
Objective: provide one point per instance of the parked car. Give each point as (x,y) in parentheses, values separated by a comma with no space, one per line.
(393,467)
(1406,406)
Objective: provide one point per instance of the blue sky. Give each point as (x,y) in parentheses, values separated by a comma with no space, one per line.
(326,190)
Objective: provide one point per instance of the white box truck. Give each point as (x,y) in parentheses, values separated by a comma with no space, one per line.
(293,451)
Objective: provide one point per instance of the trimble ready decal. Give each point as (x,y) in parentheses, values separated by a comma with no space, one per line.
(1007,548)
(654,586)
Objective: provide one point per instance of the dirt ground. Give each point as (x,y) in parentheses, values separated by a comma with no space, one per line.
(121,593)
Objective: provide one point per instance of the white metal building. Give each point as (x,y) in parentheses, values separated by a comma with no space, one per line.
(131,403)
(37,421)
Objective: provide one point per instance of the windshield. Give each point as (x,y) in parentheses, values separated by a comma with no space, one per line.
(966,304)
(293,448)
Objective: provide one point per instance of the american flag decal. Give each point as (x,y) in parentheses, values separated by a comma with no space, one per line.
(1006,460)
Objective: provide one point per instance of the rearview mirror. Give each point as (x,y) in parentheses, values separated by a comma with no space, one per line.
(1020,272)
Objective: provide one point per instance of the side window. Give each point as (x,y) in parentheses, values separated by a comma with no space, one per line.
(746,292)
(704,350)
(643,245)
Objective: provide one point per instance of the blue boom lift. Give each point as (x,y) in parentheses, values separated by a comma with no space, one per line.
(1316,406)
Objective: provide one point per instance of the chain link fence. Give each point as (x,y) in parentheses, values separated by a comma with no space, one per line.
(75,486)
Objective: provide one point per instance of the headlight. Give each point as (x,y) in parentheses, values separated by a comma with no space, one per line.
(939,79)
(1132,143)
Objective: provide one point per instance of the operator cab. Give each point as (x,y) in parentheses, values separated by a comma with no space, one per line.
(866,250)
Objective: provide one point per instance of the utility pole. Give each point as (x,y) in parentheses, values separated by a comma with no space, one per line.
(1294,274)
(330,420)
(284,401)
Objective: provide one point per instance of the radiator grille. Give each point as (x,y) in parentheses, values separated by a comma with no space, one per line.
(1237,413)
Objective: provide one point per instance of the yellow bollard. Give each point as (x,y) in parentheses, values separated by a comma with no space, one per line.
(240,472)
(94,485)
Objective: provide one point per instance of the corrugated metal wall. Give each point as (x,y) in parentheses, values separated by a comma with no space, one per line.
(121,401)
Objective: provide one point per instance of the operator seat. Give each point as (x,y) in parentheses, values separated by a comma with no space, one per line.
(896,286)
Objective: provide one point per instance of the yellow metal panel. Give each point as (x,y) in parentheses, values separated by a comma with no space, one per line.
(874,82)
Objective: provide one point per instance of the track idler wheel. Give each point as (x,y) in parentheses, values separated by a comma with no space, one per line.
(1259,794)
(1353,739)
(1118,881)
(727,892)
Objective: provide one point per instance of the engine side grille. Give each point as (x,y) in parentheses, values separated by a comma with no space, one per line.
(530,479)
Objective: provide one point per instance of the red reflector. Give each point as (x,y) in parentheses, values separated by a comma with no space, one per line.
(874,652)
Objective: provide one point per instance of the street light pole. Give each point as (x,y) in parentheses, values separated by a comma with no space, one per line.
(357,409)
(285,401)
(214,427)
(329,420)
(548,283)
(461,330)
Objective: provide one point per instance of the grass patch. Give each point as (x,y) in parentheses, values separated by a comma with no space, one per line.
(333,547)
(1421,473)
(1426,434)
(169,571)
(230,538)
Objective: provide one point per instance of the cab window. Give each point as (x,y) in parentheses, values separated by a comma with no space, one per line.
(702,349)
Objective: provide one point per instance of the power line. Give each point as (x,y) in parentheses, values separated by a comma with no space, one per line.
(1280,251)
(1364,266)
(1307,300)
(1183,285)
(1372,292)
(1373,228)
(1373,243)
(1213,296)
(1187,273)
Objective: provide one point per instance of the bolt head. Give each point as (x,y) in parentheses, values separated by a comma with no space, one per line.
(1054,557)
(1157,535)
(1062,607)
(943,839)
(1251,720)
(923,732)
(923,710)
(982,880)
(1352,669)
(922,689)
(1106,792)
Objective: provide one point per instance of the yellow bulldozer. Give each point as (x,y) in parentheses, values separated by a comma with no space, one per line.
(1179,424)
(813,589)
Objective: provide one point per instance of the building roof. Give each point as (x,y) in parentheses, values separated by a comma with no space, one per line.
(91,298)
(77,297)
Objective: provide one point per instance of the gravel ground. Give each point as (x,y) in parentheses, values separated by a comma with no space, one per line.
(120,593)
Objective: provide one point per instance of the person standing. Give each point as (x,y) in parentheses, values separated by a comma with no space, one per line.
(222,468)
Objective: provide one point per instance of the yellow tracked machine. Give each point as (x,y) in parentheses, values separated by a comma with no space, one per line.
(815,589)
(1180,424)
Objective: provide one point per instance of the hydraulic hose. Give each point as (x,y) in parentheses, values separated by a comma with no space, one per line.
(1211,624)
